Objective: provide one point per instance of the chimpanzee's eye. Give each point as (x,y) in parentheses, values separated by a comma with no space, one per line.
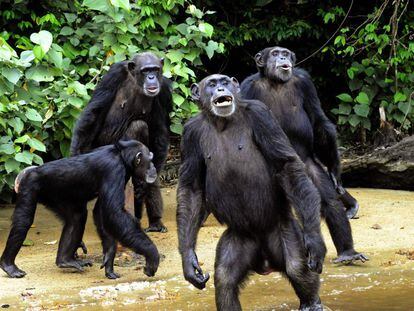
(285,53)
(212,84)
(274,53)
(225,82)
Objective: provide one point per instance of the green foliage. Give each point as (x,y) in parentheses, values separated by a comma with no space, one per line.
(52,58)
(378,57)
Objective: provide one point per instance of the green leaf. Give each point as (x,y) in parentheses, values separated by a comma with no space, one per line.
(64,148)
(354,120)
(404,107)
(175,56)
(124,4)
(206,28)
(362,110)
(350,73)
(22,139)
(176,128)
(33,115)
(344,109)
(36,144)
(40,74)
(163,20)
(28,242)
(210,48)
(79,88)
(99,5)
(6,149)
(355,84)
(178,99)
(56,58)
(11,74)
(24,157)
(17,124)
(399,97)
(362,98)
(66,31)
(38,52)
(345,98)
(11,165)
(43,38)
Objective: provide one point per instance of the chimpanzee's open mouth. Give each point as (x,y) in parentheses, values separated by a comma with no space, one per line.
(285,66)
(223,101)
(152,90)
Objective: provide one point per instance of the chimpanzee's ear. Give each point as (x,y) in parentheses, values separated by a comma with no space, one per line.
(236,84)
(162,61)
(131,65)
(259,59)
(195,92)
(293,57)
(137,159)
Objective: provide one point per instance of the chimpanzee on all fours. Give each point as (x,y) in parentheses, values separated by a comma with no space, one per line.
(238,163)
(130,92)
(65,186)
(292,98)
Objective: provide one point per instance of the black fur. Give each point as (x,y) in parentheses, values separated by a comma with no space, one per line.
(117,103)
(65,186)
(242,168)
(296,106)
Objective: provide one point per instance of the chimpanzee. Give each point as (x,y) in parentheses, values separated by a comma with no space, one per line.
(65,186)
(238,163)
(131,91)
(291,96)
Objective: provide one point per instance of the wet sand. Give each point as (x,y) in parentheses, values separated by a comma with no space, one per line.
(384,231)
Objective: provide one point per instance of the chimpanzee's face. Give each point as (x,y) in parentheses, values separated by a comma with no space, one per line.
(147,70)
(216,94)
(277,62)
(144,169)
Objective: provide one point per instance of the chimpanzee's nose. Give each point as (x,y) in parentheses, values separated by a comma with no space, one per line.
(220,89)
(151,77)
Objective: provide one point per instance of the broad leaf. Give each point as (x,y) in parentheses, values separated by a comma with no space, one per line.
(362,98)
(43,38)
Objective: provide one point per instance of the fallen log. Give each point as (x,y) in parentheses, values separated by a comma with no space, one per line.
(389,168)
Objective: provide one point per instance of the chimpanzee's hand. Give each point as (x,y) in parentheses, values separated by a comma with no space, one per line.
(193,272)
(337,184)
(151,264)
(315,246)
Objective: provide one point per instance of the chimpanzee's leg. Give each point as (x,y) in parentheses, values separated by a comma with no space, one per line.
(333,211)
(74,216)
(154,205)
(286,248)
(125,228)
(234,259)
(22,220)
(108,245)
(150,193)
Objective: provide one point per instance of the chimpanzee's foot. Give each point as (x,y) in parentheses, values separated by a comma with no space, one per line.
(348,257)
(83,247)
(352,211)
(156,227)
(316,306)
(112,275)
(12,270)
(74,263)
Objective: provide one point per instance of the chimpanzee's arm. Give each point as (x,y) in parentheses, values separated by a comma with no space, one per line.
(159,125)
(93,116)
(291,175)
(190,208)
(324,131)
(121,224)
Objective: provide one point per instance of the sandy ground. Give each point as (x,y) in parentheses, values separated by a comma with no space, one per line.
(384,231)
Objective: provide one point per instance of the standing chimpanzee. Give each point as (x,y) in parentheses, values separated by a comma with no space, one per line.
(238,163)
(131,91)
(291,96)
(65,186)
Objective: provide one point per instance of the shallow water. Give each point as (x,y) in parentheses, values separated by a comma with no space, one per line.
(386,282)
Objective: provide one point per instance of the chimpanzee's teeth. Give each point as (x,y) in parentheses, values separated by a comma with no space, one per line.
(225,103)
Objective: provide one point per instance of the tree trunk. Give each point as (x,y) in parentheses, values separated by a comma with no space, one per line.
(390,168)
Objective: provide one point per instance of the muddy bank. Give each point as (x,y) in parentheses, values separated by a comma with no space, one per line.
(384,231)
